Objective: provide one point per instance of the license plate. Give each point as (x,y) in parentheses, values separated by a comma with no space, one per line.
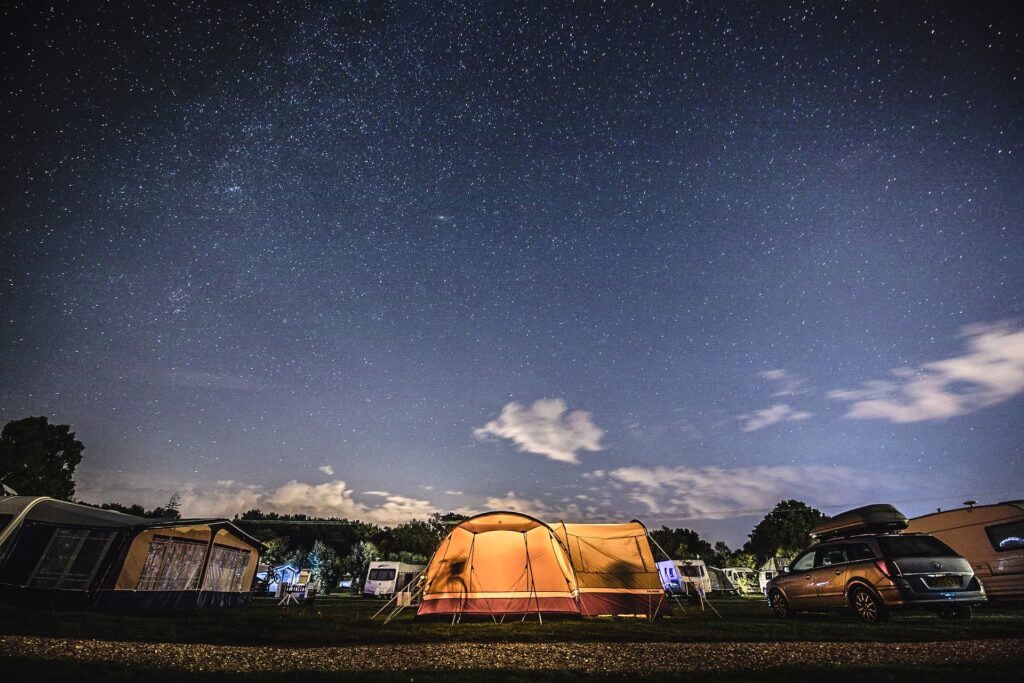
(944,582)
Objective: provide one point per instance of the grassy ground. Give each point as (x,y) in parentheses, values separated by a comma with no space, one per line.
(347,621)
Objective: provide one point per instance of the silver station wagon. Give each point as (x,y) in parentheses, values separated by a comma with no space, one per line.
(873,573)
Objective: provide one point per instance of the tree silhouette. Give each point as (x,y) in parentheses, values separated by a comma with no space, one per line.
(38,458)
(784,531)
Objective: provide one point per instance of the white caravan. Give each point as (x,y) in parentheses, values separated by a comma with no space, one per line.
(990,537)
(684,576)
(772,567)
(743,578)
(384,579)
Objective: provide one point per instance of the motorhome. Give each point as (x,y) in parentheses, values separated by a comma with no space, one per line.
(685,577)
(990,537)
(384,579)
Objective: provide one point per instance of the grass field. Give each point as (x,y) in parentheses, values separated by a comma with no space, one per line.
(346,622)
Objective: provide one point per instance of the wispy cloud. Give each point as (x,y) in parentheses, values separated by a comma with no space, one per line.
(718,493)
(327,469)
(990,371)
(546,428)
(766,417)
(227,498)
(534,507)
(788,383)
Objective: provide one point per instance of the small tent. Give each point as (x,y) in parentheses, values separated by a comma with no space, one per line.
(507,563)
(59,554)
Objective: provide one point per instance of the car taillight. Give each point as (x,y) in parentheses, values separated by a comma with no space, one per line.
(888,567)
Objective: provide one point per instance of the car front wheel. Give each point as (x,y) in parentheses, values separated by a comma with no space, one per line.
(868,607)
(779,604)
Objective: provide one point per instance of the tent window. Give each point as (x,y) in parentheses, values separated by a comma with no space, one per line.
(226,569)
(71,559)
(173,564)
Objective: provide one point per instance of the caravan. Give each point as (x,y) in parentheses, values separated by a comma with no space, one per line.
(990,537)
(685,577)
(742,578)
(384,579)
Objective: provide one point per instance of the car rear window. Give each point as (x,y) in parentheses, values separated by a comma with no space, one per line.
(914,546)
(1006,536)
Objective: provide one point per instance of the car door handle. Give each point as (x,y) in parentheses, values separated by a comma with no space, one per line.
(838,572)
(807,578)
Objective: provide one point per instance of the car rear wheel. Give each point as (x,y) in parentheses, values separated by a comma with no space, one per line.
(958,612)
(868,607)
(779,604)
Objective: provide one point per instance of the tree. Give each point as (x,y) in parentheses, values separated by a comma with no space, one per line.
(415,537)
(168,511)
(784,531)
(681,543)
(325,566)
(721,555)
(38,458)
(440,525)
(407,557)
(357,563)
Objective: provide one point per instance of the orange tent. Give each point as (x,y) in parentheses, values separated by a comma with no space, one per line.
(502,563)
(496,564)
(615,569)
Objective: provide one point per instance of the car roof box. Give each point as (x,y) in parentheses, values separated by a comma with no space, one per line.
(863,520)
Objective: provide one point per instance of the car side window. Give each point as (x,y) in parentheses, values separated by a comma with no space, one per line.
(859,551)
(804,563)
(831,554)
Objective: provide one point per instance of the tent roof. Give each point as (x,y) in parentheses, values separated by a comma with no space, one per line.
(603,531)
(60,512)
(500,521)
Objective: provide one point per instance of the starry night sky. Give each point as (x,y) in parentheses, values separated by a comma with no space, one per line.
(599,261)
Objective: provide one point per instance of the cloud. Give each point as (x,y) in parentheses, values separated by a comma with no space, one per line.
(990,371)
(719,493)
(546,428)
(327,469)
(227,498)
(766,417)
(454,493)
(789,384)
(534,507)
